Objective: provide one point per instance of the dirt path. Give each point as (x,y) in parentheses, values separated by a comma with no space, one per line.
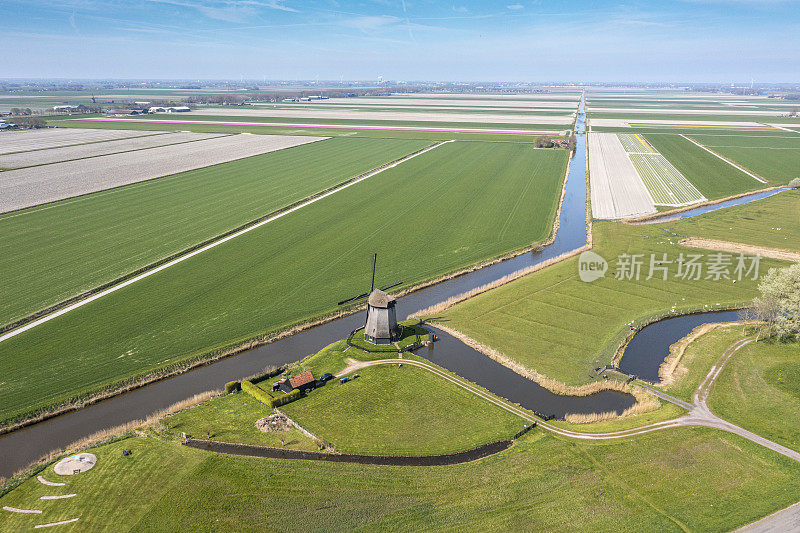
(736,247)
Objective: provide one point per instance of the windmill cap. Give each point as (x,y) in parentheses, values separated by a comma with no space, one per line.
(378,298)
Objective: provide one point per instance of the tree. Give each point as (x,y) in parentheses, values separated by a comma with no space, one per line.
(795,183)
(777,309)
(544,142)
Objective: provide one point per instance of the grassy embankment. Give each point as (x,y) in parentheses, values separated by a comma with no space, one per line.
(563,328)
(773,222)
(102,236)
(704,480)
(759,389)
(329,132)
(774,159)
(440,212)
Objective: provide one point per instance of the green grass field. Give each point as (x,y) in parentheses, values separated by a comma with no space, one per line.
(100,237)
(392,410)
(777,160)
(440,212)
(682,479)
(231,418)
(773,222)
(759,389)
(713,177)
(563,328)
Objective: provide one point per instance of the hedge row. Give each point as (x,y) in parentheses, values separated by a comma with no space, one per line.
(263,397)
(256,392)
(286,398)
(232,386)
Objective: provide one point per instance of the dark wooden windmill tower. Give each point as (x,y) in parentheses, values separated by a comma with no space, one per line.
(381,326)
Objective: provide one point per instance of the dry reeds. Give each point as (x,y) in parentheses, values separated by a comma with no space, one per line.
(644,402)
(671,370)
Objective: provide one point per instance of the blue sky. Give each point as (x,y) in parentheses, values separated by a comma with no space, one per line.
(679,40)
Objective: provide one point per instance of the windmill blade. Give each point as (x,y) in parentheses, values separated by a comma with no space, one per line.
(354,298)
(392,286)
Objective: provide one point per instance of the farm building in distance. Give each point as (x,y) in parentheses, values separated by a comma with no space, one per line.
(168,109)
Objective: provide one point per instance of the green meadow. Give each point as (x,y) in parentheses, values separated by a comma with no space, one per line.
(675,480)
(456,205)
(99,237)
(563,328)
(759,390)
(772,222)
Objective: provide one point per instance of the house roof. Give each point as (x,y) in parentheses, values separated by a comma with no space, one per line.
(301,379)
(378,298)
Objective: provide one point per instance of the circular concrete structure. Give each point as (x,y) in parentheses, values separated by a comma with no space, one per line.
(75,464)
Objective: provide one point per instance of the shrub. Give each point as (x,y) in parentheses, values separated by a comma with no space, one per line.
(232,386)
(286,398)
(795,183)
(257,393)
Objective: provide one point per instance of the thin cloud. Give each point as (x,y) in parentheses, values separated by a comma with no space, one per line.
(515,7)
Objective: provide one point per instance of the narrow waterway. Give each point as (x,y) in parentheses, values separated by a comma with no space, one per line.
(650,346)
(21,447)
(689,213)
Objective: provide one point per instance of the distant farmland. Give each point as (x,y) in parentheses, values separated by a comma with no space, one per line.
(449,208)
(31,186)
(102,236)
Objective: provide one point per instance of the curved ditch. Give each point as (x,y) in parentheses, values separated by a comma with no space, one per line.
(649,347)
(21,447)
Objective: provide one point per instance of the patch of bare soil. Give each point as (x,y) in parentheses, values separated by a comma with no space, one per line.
(273,423)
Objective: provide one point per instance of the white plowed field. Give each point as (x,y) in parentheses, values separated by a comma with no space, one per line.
(423,102)
(398,116)
(19,141)
(80,151)
(36,185)
(617,191)
(626,123)
(671,111)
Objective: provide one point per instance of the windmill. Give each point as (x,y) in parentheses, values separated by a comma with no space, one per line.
(381,326)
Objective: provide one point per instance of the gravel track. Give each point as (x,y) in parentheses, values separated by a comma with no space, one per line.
(37,185)
(80,151)
(19,141)
(411,116)
(617,191)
